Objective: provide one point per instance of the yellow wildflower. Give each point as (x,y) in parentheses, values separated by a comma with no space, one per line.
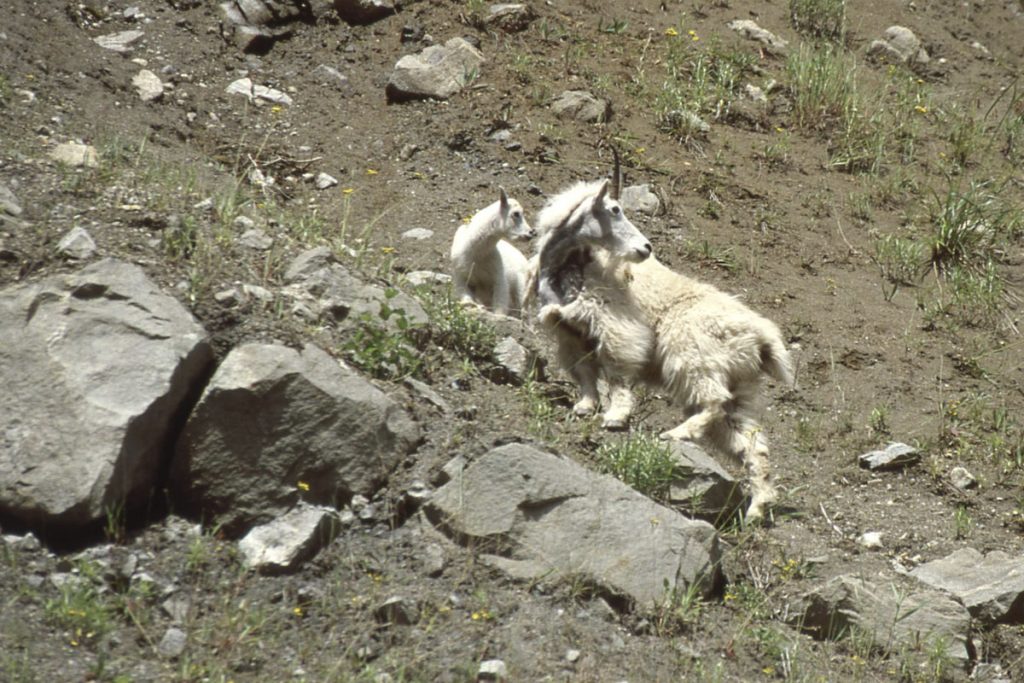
(303,486)
(348,190)
(387,250)
(921,109)
(276,109)
(297,611)
(370,171)
(671,32)
(693,35)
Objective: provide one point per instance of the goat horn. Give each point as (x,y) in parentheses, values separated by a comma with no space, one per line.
(616,175)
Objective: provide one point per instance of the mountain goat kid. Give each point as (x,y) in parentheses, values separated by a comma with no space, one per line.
(617,311)
(487,270)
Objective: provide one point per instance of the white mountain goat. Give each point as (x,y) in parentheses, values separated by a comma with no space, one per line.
(486,269)
(614,309)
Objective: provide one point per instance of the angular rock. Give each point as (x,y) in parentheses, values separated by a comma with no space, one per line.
(315,276)
(148,85)
(492,670)
(363,11)
(750,30)
(324,181)
(98,365)
(418,234)
(173,643)
(510,17)
(397,611)
(328,75)
(899,45)
(418,278)
(75,154)
(537,514)
(581,106)
(516,363)
(701,486)
(77,244)
(439,71)
(990,586)
(9,202)
(245,86)
(639,198)
(283,544)
(886,616)
(254,25)
(277,424)
(256,240)
(893,456)
(119,42)
(961,478)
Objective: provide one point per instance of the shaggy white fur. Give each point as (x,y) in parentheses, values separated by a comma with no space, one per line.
(641,321)
(487,270)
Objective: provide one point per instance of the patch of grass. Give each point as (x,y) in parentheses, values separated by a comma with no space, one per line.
(702,251)
(679,611)
(80,608)
(899,260)
(458,328)
(383,345)
(541,411)
(640,460)
(824,19)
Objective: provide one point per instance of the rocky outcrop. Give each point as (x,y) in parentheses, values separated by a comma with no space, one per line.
(890,619)
(990,586)
(534,514)
(97,368)
(276,425)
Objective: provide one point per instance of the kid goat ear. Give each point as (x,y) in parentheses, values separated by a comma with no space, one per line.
(504,199)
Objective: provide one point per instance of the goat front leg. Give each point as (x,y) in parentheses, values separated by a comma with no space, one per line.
(577,357)
(620,399)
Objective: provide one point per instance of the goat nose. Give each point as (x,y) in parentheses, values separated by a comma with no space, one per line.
(647,249)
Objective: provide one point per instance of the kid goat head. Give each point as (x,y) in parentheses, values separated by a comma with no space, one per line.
(512,219)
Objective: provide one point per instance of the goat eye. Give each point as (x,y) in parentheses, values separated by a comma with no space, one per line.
(616,210)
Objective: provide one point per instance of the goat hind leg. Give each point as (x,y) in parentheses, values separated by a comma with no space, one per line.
(620,399)
(711,397)
(745,439)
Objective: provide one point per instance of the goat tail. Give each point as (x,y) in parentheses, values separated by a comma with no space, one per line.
(776,360)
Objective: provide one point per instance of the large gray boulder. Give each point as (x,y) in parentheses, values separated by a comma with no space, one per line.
(890,619)
(535,514)
(276,425)
(701,486)
(96,367)
(990,586)
(439,72)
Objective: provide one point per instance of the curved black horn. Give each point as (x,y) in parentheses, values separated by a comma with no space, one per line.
(616,175)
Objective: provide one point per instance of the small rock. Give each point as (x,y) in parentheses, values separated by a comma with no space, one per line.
(324,181)
(517,363)
(439,71)
(750,30)
(433,560)
(418,234)
(245,86)
(492,670)
(572,656)
(870,540)
(363,11)
(244,223)
(899,45)
(148,85)
(118,42)
(961,478)
(510,17)
(9,202)
(398,611)
(408,151)
(418,278)
(172,645)
(894,456)
(228,297)
(283,544)
(75,154)
(176,607)
(256,292)
(581,106)
(755,93)
(328,75)
(78,244)
(256,240)
(640,198)
(686,121)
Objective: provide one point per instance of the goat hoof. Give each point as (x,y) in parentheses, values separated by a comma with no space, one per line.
(615,424)
(583,409)
(674,435)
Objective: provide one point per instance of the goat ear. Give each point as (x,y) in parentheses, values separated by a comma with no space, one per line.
(503,196)
(603,191)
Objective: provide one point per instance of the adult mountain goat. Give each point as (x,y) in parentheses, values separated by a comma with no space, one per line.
(486,269)
(616,311)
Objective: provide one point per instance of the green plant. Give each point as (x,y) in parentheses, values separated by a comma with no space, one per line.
(79,608)
(383,345)
(640,460)
(115,522)
(962,522)
(681,608)
(899,261)
(819,18)
(878,421)
(708,254)
(458,328)
(542,412)
(615,26)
